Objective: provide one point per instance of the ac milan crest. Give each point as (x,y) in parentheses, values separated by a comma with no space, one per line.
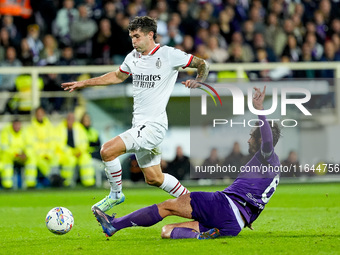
(158,63)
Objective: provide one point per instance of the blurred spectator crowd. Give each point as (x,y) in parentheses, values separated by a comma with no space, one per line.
(78,32)
(290,166)
(94,32)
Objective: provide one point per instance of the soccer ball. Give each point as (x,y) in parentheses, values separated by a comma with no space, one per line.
(59,220)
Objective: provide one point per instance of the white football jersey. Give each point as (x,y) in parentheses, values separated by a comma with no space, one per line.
(153,79)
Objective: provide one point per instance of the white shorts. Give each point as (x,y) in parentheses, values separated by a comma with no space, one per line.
(144,141)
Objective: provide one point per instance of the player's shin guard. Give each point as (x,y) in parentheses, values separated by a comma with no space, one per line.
(181,233)
(113,171)
(173,186)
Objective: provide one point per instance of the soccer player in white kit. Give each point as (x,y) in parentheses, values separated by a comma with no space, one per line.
(154,70)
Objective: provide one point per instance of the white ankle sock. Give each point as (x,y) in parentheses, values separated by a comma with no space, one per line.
(173,186)
(113,171)
(115,194)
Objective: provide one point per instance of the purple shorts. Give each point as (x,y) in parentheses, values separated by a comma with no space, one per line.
(212,210)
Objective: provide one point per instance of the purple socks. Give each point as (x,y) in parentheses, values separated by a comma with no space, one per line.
(144,217)
(149,216)
(181,233)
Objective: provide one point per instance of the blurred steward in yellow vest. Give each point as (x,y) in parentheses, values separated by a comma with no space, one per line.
(92,136)
(73,149)
(42,133)
(16,147)
(22,101)
(94,148)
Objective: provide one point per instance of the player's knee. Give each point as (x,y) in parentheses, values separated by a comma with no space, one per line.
(104,152)
(168,206)
(107,153)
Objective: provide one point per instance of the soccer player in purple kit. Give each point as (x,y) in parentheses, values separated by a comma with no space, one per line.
(221,213)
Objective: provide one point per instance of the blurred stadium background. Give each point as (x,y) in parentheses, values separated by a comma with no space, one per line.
(271,42)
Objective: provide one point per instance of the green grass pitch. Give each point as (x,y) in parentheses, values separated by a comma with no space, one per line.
(299,219)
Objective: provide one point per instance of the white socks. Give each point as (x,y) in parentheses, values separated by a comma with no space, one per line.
(173,186)
(113,171)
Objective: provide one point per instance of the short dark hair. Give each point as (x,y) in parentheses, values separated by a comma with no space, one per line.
(275,131)
(145,24)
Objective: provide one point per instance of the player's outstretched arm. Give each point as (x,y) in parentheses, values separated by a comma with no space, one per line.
(106,79)
(202,72)
(266,132)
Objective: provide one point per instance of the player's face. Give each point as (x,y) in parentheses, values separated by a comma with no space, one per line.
(254,144)
(141,41)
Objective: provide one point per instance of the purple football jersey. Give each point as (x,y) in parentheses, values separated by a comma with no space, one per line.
(258,179)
